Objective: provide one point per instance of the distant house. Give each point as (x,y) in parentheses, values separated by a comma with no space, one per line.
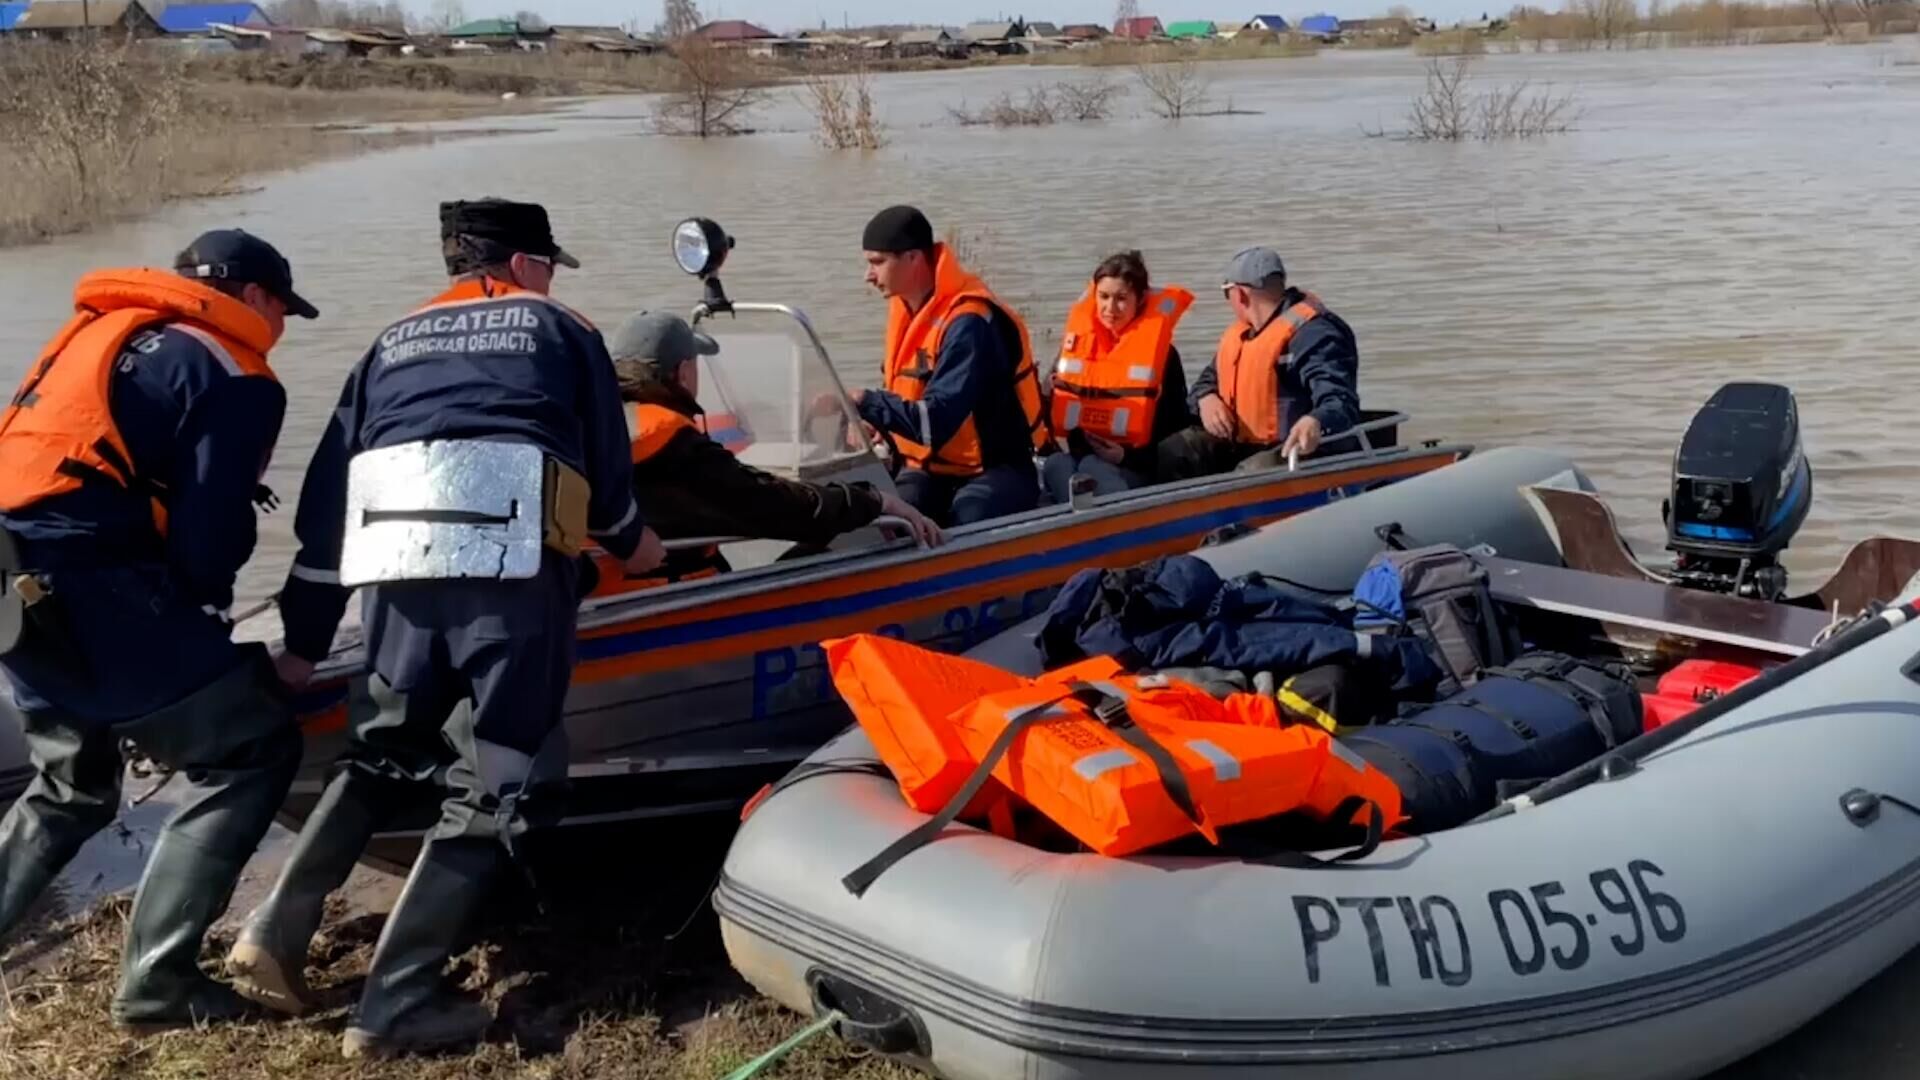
(500,33)
(366,42)
(1226,31)
(1391,28)
(829,43)
(1267,24)
(1321,26)
(282,40)
(999,38)
(9,14)
(1084,32)
(733,33)
(918,43)
(1191,30)
(199,19)
(1140,29)
(1042,30)
(599,39)
(64,18)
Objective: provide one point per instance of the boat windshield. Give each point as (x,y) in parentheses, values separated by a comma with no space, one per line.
(771,395)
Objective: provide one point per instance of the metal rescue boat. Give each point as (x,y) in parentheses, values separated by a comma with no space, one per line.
(689,697)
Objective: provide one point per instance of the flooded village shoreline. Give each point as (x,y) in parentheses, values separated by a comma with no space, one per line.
(1583,291)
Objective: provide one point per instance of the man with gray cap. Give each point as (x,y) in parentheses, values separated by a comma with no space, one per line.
(1285,375)
(692,485)
(478,443)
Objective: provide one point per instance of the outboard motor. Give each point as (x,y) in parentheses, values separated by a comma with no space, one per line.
(1741,488)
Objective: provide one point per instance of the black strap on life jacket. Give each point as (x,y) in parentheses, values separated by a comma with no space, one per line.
(1345,812)
(1110,709)
(866,873)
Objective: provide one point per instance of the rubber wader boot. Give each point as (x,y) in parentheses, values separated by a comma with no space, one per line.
(236,743)
(403,1009)
(75,795)
(268,962)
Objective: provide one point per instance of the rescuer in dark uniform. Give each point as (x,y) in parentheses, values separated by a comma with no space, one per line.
(475,447)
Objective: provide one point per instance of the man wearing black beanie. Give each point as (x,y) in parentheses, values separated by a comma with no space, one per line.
(961,396)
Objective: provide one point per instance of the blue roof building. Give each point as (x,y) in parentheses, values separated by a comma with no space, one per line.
(199,18)
(1272,24)
(10,14)
(1320,25)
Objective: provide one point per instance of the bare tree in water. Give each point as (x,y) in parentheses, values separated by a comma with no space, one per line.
(1124,12)
(1829,12)
(1607,21)
(1175,88)
(713,88)
(1875,13)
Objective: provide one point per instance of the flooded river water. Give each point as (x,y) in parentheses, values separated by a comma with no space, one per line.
(1718,214)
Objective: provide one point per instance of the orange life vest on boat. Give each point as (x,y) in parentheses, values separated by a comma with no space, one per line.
(1249,371)
(913,350)
(650,428)
(1108,385)
(59,433)
(1122,763)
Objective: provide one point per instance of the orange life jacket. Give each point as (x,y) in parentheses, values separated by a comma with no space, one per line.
(1108,385)
(1121,763)
(651,427)
(913,350)
(59,433)
(1249,371)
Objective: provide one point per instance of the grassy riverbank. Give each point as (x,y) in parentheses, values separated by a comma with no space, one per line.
(616,982)
(104,133)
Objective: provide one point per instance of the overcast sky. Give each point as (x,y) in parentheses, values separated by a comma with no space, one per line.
(781,15)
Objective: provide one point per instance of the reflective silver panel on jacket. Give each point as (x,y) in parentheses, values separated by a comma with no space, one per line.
(458,508)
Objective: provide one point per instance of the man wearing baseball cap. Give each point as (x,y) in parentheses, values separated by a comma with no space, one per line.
(130,463)
(693,486)
(492,433)
(1284,376)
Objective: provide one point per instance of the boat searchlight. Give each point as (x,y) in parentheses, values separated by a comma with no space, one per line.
(700,246)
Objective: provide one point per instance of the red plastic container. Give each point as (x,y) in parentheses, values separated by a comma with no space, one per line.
(1691,684)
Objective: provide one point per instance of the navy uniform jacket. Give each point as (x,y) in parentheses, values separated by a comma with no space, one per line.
(973,376)
(196,426)
(136,603)
(483,361)
(1321,376)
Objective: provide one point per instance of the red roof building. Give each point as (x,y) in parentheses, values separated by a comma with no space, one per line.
(1139,29)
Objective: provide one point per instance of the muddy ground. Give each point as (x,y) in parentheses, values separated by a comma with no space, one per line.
(624,977)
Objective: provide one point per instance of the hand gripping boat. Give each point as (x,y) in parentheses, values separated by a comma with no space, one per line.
(688,697)
(1660,912)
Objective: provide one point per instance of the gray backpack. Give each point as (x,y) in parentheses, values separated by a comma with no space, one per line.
(1440,594)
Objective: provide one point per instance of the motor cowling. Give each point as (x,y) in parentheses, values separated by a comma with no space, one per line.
(1741,489)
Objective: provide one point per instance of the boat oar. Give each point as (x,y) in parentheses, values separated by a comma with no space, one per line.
(1624,758)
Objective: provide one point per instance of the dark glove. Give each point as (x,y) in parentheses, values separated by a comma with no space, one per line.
(589,576)
(265,499)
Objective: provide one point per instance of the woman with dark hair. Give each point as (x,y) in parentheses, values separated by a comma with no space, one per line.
(1117,388)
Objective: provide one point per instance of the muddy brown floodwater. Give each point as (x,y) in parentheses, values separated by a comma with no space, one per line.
(1720,214)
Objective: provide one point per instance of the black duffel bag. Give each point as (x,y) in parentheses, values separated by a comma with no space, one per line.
(1522,723)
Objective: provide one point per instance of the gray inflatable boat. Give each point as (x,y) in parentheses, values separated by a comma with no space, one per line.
(1663,912)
